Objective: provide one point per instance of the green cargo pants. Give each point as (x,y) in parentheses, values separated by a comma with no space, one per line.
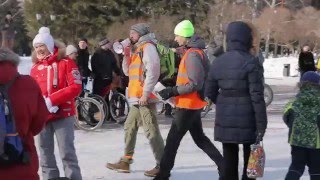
(145,116)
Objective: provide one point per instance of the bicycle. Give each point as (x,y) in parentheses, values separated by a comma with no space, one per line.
(118,106)
(268,94)
(90,114)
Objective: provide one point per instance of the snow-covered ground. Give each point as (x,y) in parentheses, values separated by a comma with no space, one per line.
(94,149)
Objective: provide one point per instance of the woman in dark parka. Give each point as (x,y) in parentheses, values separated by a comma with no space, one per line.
(235,85)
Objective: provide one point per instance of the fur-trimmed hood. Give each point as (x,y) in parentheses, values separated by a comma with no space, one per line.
(243,35)
(59,51)
(9,56)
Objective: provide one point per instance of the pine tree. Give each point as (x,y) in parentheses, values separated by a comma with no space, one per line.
(14,7)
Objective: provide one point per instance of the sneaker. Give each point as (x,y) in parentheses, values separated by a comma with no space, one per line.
(153,172)
(121,166)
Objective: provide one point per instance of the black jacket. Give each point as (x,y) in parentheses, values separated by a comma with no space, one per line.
(306,62)
(235,85)
(82,61)
(103,63)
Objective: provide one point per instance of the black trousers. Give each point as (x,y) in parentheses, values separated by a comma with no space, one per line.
(231,161)
(186,120)
(300,158)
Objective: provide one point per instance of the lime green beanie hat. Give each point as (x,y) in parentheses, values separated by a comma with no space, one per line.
(184,29)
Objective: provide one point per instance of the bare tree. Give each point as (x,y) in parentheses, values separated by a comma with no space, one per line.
(4,2)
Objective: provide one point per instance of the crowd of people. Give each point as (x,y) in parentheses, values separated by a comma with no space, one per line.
(44,104)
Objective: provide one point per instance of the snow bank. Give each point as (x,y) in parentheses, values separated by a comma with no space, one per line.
(273,67)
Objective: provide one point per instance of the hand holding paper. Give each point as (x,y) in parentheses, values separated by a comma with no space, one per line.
(164,94)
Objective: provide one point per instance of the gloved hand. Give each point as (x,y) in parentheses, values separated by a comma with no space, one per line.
(51,109)
(168,92)
(208,101)
(259,137)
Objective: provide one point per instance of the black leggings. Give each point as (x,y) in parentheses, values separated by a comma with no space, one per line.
(231,161)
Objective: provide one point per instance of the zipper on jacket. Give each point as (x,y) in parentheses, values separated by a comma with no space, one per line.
(49,79)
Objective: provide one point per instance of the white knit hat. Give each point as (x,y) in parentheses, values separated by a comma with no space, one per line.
(71,49)
(44,37)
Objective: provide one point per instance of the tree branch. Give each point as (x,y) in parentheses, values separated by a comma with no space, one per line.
(4,3)
(267,3)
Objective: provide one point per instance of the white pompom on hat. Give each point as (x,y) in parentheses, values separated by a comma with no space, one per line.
(44,37)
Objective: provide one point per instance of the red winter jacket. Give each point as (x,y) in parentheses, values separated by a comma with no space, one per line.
(60,80)
(30,113)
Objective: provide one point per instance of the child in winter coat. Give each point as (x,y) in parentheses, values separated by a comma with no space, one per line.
(302,116)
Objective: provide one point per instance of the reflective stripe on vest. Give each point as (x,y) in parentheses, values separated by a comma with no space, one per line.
(192,100)
(136,76)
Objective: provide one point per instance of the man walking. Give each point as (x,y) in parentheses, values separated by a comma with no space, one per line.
(188,92)
(143,69)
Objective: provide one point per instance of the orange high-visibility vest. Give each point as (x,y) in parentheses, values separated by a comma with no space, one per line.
(192,100)
(136,76)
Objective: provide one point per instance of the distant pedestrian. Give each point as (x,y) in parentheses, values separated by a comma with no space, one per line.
(83,60)
(71,52)
(306,61)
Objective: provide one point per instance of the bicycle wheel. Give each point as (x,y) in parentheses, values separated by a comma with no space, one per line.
(103,103)
(119,107)
(268,94)
(89,114)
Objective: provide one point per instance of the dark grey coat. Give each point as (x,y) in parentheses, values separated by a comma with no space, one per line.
(235,85)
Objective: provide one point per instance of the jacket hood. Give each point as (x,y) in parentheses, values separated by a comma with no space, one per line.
(196,42)
(8,66)
(146,38)
(59,52)
(243,36)
(8,72)
(9,56)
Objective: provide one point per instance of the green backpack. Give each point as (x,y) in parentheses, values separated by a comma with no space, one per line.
(167,61)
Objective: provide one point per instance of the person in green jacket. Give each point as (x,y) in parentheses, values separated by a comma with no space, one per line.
(302,116)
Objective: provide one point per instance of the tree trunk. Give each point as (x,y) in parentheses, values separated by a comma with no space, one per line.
(282,49)
(275,52)
(267,43)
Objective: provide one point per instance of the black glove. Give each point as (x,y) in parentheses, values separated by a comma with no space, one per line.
(168,92)
(259,137)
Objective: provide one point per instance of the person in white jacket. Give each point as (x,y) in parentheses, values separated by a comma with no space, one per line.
(143,68)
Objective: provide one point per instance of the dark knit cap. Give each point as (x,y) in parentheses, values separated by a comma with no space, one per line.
(310,76)
(141,28)
(103,41)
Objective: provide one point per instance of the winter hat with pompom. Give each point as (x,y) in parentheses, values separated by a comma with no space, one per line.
(44,37)
(71,49)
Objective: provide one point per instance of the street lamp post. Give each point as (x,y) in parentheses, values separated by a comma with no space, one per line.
(46,23)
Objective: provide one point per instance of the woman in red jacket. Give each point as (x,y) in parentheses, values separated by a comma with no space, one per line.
(60,83)
(30,114)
